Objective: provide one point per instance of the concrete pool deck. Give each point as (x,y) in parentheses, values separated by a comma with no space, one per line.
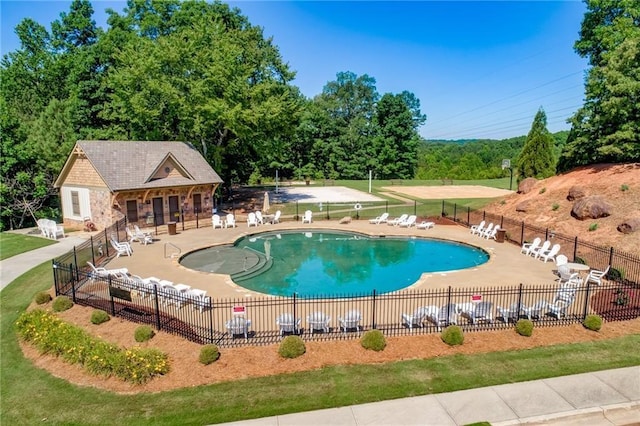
(506,266)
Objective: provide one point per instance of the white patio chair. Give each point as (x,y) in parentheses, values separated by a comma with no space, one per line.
(512,313)
(308,217)
(231,221)
(145,237)
(491,234)
(444,316)
(486,231)
(425,225)
(238,326)
(527,248)
(550,254)
(55,230)
(216,221)
(482,311)
(121,248)
(561,303)
(43,226)
(252,220)
(567,278)
(417,318)
(561,259)
(350,321)
(596,276)
(198,298)
(318,321)
(544,247)
(259,217)
(534,311)
(288,324)
(276,217)
(380,219)
(477,229)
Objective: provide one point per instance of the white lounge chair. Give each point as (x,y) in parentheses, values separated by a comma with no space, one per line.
(512,313)
(596,276)
(288,324)
(486,231)
(144,286)
(139,236)
(534,311)
(230,222)
(238,326)
(318,321)
(380,219)
(544,247)
(492,234)
(146,237)
(550,254)
(477,229)
(396,221)
(443,316)
(121,248)
(482,311)
(425,225)
(528,247)
(252,220)
(216,221)
(411,220)
(104,272)
(308,217)
(276,217)
(350,321)
(199,298)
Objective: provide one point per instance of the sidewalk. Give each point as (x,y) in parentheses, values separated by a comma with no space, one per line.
(609,397)
(13,267)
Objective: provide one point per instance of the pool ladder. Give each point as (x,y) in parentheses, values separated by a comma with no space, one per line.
(175,253)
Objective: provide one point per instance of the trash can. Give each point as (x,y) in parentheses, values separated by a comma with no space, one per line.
(172,228)
(500,235)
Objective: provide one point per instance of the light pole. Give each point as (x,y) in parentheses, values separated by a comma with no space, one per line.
(506,164)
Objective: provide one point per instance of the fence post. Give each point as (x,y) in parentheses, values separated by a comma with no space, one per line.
(328,211)
(522,233)
(211,319)
(449,296)
(93,255)
(519,301)
(586,301)
(55,276)
(297,217)
(484,215)
(442,210)
(112,303)
(501,222)
(197,224)
(468,216)
(546,234)
(575,248)
(373,310)
(415,207)
(295,312)
(611,256)
(75,260)
(182,215)
(73,283)
(386,206)
(157,306)
(455,211)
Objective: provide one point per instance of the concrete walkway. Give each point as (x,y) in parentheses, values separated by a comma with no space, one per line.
(13,267)
(609,397)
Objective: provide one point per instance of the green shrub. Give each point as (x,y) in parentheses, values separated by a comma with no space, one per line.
(99,316)
(555,206)
(593,322)
(42,298)
(209,354)
(624,187)
(373,340)
(50,335)
(143,333)
(543,190)
(62,303)
(524,327)
(291,347)
(452,335)
(593,227)
(616,274)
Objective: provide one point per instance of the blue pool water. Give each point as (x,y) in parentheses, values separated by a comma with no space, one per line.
(332,263)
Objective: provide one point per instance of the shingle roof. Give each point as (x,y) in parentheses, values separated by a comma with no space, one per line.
(127,165)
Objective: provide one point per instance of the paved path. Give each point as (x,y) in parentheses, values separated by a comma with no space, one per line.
(13,267)
(609,397)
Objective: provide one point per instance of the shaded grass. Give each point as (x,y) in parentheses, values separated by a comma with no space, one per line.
(12,244)
(29,395)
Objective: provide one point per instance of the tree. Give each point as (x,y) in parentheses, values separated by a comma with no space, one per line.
(536,159)
(607,127)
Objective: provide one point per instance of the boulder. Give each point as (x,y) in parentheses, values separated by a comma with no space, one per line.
(629,225)
(576,193)
(523,206)
(592,207)
(345,220)
(527,185)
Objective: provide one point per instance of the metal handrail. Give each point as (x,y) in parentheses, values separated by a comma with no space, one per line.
(172,254)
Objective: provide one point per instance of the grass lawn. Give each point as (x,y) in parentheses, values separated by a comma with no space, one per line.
(12,244)
(29,395)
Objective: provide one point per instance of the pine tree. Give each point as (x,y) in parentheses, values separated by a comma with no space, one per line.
(536,158)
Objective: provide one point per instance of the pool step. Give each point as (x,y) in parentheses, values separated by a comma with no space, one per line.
(263,264)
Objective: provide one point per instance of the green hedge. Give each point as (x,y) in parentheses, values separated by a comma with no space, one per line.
(50,335)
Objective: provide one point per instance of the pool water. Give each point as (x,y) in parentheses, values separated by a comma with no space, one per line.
(331,263)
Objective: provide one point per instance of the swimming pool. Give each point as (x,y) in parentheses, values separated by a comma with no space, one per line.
(334,263)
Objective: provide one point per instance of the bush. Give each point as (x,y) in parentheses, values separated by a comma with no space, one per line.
(373,340)
(624,187)
(209,354)
(42,298)
(524,327)
(62,303)
(143,333)
(291,347)
(99,316)
(593,322)
(452,335)
(616,274)
(542,191)
(593,227)
(50,335)
(555,206)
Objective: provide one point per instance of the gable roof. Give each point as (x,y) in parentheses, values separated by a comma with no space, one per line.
(132,165)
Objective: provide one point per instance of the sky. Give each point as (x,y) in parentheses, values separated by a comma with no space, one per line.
(481,69)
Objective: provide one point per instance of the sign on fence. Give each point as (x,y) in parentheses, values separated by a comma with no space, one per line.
(120,293)
(476,298)
(239,310)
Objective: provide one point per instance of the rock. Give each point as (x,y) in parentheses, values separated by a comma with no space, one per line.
(629,225)
(527,185)
(592,207)
(345,220)
(523,206)
(576,193)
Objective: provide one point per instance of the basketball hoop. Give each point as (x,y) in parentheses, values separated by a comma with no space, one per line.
(506,164)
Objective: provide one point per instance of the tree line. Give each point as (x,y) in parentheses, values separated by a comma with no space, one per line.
(200,72)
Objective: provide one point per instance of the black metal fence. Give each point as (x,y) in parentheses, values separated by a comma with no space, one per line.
(205,320)
(624,266)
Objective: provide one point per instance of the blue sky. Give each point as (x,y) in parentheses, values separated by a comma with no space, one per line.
(481,69)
